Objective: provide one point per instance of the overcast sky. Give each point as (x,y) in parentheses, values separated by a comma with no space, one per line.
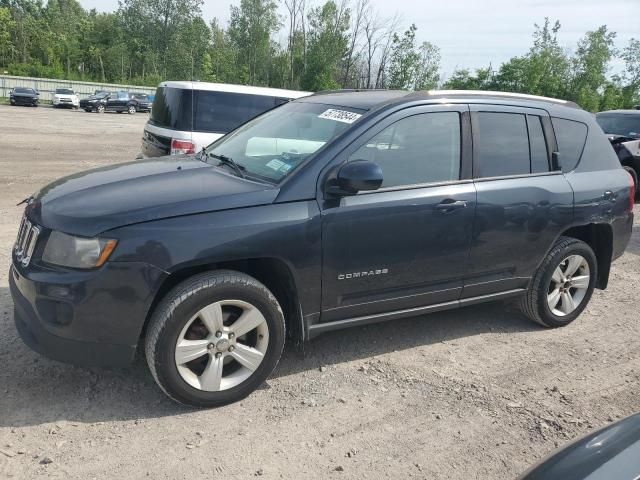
(474,33)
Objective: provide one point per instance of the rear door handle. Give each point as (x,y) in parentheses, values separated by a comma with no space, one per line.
(449,205)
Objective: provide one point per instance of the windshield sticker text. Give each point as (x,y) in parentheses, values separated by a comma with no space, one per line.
(339,115)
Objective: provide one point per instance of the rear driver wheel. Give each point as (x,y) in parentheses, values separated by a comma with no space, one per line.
(562,287)
(214,339)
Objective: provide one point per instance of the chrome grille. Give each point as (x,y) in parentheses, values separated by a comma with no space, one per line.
(27,238)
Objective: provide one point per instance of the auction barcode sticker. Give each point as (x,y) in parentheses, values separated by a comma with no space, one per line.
(340,115)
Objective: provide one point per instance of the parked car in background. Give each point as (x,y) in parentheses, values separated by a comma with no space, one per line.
(623,129)
(188,116)
(65,97)
(95,103)
(128,102)
(331,211)
(610,453)
(28,97)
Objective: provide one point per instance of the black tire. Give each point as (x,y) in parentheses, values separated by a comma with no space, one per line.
(180,305)
(534,303)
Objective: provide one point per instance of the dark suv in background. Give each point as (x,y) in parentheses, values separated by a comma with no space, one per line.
(623,129)
(128,102)
(331,211)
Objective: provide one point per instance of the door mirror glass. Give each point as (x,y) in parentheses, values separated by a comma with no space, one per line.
(356,176)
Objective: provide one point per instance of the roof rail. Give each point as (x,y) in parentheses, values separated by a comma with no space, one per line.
(498,94)
(350,90)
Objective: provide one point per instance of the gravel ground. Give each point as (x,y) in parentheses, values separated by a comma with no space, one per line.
(474,393)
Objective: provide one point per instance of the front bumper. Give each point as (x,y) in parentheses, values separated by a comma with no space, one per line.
(59,102)
(84,318)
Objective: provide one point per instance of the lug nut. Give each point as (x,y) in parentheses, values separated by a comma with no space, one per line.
(218,334)
(231,335)
(232,348)
(218,355)
(210,346)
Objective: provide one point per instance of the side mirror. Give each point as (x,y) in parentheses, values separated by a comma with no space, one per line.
(354,177)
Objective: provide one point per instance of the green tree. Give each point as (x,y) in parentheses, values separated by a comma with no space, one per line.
(327,46)
(413,68)
(595,51)
(404,60)
(250,29)
(7,25)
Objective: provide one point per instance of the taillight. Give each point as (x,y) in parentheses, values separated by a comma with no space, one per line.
(632,192)
(179,147)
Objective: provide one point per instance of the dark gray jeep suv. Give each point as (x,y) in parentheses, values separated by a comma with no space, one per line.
(331,211)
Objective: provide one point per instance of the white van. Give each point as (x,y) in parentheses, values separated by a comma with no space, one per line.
(187,116)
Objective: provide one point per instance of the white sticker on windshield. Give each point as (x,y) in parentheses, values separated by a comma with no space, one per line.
(275,164)
(340,115)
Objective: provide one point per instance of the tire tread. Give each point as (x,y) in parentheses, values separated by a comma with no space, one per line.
(181,292)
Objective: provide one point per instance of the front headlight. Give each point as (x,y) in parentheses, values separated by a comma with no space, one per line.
(77,252)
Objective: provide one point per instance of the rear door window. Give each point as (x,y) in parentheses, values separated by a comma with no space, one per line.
(571,137)
(502,144)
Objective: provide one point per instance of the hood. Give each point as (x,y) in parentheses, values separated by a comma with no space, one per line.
(91,202)
(65,95)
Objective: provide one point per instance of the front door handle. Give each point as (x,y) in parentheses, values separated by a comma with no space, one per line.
(449,205)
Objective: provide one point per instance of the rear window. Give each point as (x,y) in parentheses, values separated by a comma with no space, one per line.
(206,111)
(571,137)
(172,109)
(620,124)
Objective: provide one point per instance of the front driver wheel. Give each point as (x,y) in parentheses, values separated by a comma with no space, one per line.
(562,287)
(214,339)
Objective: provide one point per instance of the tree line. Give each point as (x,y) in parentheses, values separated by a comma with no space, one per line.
(313,46)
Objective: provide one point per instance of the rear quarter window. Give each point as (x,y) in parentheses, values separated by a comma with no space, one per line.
(571,137)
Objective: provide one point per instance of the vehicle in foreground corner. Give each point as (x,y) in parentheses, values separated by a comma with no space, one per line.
(27,97)
(188,116)
(128,102)
(95,103)
(330,211)
(65,97)
(610,453)
(623,129)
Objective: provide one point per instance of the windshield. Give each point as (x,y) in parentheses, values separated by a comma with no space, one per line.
(623,124)
(64,91)
(23,90)
(274,144)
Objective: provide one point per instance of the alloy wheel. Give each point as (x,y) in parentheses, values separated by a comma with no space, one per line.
(222,345)
(569,285)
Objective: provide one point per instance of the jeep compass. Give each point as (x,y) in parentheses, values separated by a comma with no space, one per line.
(331,211)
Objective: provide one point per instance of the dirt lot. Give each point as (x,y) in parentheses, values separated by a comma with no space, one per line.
(474,393)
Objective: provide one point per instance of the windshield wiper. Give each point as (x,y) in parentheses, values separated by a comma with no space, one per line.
(224,160)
